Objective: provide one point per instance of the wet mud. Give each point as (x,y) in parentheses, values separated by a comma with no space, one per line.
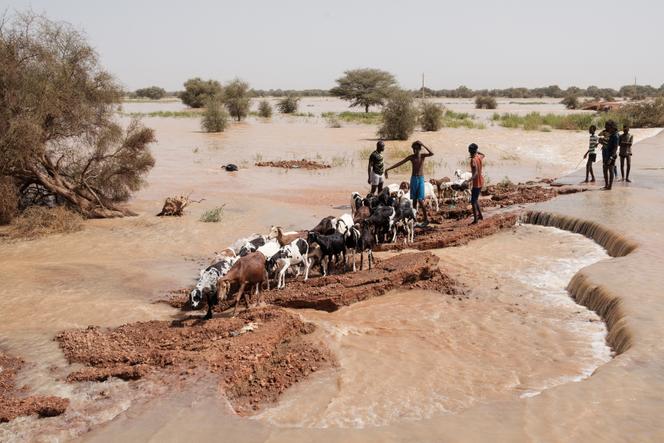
(256,355)
(14,403)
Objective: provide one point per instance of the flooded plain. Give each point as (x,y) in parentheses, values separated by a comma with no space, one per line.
(409,362)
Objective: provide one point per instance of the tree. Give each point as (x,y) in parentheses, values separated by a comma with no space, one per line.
(152,92)
(571,102)
(288,104)
(431,116)
(485,102)
(364,87)
(264,109)
(197,91)
(58,136)
(399,117)
(236,99)
(215,117)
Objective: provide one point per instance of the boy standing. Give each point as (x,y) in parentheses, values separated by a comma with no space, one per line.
(476,161)
(376,168)
(590,153)
(626,140)
(416,160)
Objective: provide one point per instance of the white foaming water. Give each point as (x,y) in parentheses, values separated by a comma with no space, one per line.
(415,355)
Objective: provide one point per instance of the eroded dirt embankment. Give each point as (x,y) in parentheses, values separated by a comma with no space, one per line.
(14,402)
(257,355)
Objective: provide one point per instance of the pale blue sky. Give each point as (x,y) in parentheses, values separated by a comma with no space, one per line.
(307,44)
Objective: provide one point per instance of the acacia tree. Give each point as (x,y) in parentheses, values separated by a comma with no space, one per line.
(152,92)
(365,87)
(198,91)
(236,99)
(58,137)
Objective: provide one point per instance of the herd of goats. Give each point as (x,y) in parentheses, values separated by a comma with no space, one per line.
(252,261)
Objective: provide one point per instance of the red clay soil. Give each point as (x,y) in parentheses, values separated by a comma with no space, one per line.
(256,355)
(454,233)
(415,270)
(12,401)
(294,164)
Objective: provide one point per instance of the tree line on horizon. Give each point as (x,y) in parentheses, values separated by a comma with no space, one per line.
(553,91)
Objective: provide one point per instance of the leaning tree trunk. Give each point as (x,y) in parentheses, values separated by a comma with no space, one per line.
(83,200)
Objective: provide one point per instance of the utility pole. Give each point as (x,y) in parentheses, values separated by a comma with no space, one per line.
(423,86)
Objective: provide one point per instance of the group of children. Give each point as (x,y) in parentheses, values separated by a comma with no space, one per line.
(613,145)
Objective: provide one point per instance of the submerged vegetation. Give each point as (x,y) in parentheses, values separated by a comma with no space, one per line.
(649,114)
(485,102)
(213,215)
(399,117)
(288,104)
(264,109)
(38,221)
(215,117)
(236,99)
(198,91)
(431,116)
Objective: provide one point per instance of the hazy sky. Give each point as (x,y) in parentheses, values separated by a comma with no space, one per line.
(309,43)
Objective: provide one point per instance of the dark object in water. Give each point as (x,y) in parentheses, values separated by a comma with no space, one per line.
(230,167)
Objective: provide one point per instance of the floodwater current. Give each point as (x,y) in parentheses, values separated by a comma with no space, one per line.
(512,359)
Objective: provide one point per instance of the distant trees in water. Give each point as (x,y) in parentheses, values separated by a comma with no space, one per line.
(365,87)
(152,92)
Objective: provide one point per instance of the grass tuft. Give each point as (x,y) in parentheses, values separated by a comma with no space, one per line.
(213,215)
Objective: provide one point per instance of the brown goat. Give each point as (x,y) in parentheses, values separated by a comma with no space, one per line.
(362,213)
(285,238)
(325,226)
(438,183)
(248,270)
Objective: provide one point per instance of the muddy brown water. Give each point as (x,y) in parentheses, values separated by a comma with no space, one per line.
(423,367)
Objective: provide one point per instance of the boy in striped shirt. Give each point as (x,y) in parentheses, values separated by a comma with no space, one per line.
(590,153)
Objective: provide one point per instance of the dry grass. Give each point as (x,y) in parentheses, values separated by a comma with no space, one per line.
(8,201)
(38,221)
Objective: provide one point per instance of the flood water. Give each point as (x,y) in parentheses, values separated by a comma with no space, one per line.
(407,360)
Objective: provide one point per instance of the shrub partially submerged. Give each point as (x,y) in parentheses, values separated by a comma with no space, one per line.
(431,116)
(288,104)
(213,215)
(215,117)
(485,102)
(264,109)
(399,117)
(38,221)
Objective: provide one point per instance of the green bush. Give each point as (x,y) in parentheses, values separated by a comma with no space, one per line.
(571,102)
(485,102)
(236,99)
(648,114)
(264,109)
(399,117)
(213,215)
(431,116)
(288,104)
(215,117)
(197,92)
(153,92)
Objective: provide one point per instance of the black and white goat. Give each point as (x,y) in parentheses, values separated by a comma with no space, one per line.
(332,246)
(294,254)
(207,281)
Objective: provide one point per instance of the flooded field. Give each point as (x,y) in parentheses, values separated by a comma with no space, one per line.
(409,362)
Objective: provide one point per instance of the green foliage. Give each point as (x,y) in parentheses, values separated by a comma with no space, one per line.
(364,87)
(399,117)
(164,114)
(453,119)
(571,102)
(369,118)
(236,99)
(288,104)
(264,109)
(213,215)
(58,128)
(649,114)
(485,102)
(197,92)
(152,92)
(431,116)
(215,117)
